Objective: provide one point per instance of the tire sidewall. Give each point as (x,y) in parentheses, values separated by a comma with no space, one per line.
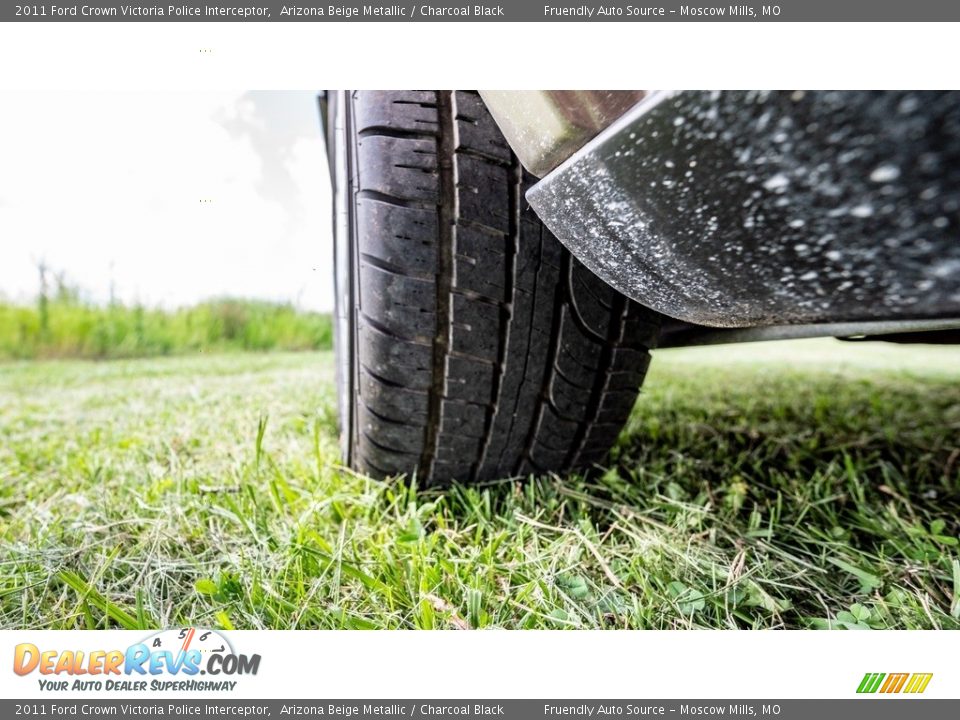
(344,336)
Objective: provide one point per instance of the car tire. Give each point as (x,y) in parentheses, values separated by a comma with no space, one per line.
(471,345)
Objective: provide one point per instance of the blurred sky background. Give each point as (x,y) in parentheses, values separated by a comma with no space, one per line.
(107,187)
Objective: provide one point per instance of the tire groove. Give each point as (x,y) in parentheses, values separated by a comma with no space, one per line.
(383,418)
(393,132)
(577,316)
(389,383)
(545,387)
(448,208)
(483,155)
(474,296)
(567,379)
(526,357)
(388,267)
(387,199)
(393,334)
(506,312)
(385,448)
(602,376)
(467,356)
(482,227)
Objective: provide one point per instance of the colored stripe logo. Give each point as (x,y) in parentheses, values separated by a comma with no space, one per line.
(913,683)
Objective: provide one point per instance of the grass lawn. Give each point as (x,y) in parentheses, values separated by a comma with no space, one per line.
(809,484)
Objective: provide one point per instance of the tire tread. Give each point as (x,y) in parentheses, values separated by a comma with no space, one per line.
(485,349)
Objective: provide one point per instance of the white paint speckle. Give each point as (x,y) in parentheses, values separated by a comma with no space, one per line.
(776,182)
(946,268)
(885,173)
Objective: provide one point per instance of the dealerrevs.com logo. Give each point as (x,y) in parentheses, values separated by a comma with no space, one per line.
(169,660)
(891,683)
